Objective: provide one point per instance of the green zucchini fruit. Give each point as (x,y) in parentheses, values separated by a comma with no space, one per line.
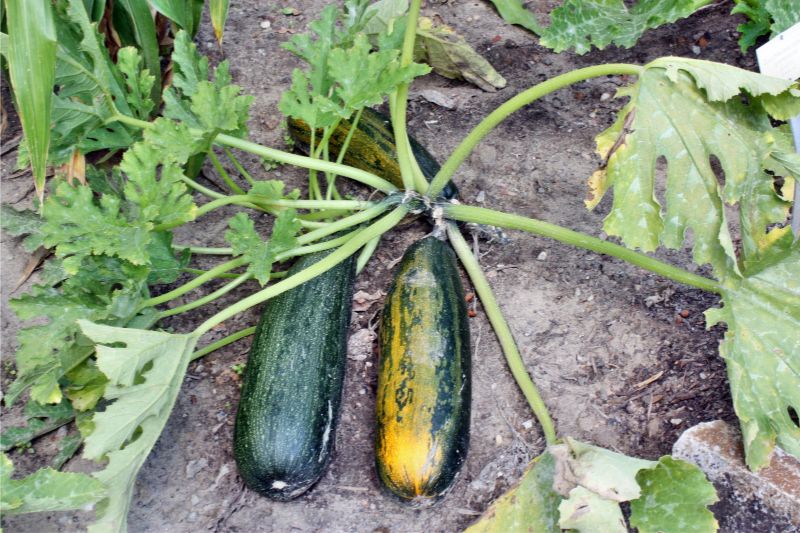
(423,397)
(292,387)
(371,148)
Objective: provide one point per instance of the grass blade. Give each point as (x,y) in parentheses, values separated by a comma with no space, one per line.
(219,14)
(32,66)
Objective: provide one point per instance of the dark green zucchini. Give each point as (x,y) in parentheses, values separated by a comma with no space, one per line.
(372,148)
(292,386)
(423,399)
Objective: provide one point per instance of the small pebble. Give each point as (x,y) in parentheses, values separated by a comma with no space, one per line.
(695,50)
(542,256)
(605,96)
(498,439)
(675,421)
(265,25)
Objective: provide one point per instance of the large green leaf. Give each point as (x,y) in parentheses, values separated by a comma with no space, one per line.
(675,499)
(45,490)
(762,352)
(532,505)
(31,59)
(581,24)
(145,376)
(688,112)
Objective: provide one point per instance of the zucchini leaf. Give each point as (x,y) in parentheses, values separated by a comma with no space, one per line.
(581,24)
(765,17)
(687,112)
(532,505)
(211,107)
(675,499)
(672,102)
(40,420)
(762,353)
(145,376)
(45,490)
(579,486)
(260,255)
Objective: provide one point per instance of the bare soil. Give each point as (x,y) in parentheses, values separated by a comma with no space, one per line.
(622,356)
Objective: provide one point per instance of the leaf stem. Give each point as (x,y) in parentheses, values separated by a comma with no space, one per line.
(344,223)
(503,332)
(203,250)
(350,247)
(399,105)
(225,289)
(224,173)
(233,337)
(366,254)
(196,282)
(481,215)
(522,99)
(362,176)
(239,167)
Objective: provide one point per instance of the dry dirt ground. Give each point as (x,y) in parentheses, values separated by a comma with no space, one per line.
(593,331)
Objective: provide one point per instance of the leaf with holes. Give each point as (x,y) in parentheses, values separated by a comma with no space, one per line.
(688,112)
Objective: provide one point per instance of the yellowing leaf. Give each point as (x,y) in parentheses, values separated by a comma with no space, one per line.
(687,112)
(532,505)
(586,512)
(452,57)
(762,353)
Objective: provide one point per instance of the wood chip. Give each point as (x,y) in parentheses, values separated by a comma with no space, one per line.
(648,381)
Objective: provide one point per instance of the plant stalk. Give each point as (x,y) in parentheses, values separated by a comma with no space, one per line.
(503,332)
(522,99)
(361,176)
(233,337)
(490,217)
(350,247)
(196,282)
(225,289)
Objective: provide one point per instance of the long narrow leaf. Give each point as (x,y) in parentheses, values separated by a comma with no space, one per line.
(143,27)
(219,14)
(184,13)
(32,65)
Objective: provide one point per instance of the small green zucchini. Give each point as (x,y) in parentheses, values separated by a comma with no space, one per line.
(423,398)
(371,148)
(292,388)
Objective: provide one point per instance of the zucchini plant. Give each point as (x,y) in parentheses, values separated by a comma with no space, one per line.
(101,353)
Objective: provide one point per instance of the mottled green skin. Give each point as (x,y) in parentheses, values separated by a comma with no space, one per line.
(424,383)
(292,386)
(372,148)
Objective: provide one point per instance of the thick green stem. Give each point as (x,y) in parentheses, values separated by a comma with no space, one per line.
(199,188)
(331,192)
(336,257)
(233,337)
(223,173)
(522,99)
(399,105)
(361,176)
(481,215)
(225,289)
(344,223)
(196,282)
(203,250)
(503,332)
(239,167)
(317,247)
(366,254)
